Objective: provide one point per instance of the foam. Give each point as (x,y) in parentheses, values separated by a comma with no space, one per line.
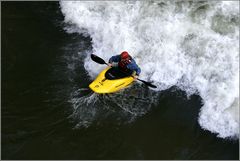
(194,45)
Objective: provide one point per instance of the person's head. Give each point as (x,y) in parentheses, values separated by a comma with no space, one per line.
(125,56)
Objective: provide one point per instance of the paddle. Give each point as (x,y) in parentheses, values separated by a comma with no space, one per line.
(101,61)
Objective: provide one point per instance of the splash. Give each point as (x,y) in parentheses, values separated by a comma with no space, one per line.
(194,45)
(94,108)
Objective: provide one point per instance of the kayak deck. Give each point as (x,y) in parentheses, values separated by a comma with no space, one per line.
(110,80)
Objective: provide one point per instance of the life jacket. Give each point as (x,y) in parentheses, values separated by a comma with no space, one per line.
(122,64)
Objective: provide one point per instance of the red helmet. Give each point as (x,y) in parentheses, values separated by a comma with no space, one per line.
(124,55)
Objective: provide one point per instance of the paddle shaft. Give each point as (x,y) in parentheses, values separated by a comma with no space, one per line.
(101,61)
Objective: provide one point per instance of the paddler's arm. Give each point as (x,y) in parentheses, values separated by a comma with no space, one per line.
(136,70)
(113,61)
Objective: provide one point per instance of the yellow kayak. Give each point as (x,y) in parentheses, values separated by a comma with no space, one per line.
(110,80)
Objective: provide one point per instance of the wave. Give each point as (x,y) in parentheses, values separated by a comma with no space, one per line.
(192,45)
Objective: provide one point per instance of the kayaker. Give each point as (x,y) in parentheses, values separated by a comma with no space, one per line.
(126,64)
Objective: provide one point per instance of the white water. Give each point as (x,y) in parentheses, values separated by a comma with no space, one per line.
(92,107)
(194,45)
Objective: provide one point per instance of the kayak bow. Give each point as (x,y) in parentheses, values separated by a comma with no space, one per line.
(110,80)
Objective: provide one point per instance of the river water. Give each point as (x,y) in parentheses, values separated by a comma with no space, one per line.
(48,111)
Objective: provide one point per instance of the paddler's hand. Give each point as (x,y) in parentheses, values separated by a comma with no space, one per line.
(135,77)
(110,65)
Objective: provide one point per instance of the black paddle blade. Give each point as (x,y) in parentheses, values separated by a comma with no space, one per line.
(148,83)
(97,59)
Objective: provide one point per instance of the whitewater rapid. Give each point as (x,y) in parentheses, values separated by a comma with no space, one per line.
(193,45)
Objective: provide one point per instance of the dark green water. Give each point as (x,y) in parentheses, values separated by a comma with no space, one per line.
(43,72)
